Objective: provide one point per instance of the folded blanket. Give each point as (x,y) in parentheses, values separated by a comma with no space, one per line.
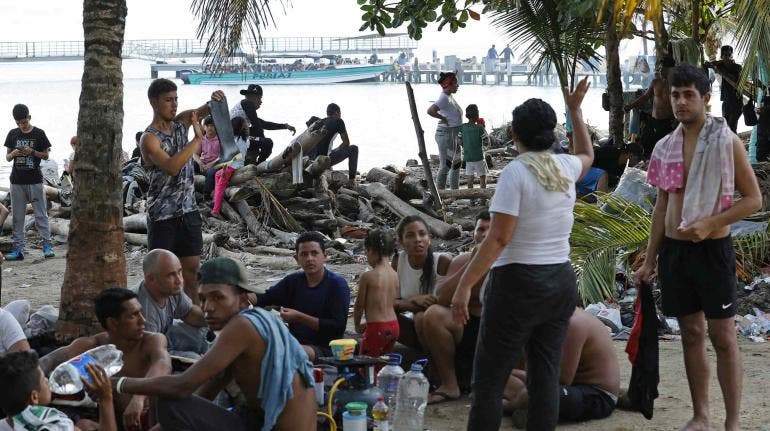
(706,193)
(283,357)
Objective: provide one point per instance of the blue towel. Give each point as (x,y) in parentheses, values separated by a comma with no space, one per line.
(283,357)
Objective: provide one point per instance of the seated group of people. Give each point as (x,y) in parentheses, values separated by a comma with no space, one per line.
(263,366)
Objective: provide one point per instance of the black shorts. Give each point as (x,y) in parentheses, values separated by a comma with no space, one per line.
(584,402)
(180,235)
(698,276)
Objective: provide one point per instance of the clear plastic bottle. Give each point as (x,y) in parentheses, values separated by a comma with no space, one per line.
(388,379)
(380,415)
(65,378)
(412,399)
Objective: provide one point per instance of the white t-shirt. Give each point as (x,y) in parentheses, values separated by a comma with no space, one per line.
(409,278)
(545,218)
(448,107)
(10,331)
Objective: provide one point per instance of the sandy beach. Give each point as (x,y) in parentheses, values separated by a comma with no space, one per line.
(39,280)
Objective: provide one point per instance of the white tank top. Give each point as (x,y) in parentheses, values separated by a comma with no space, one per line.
(409,278)
(237,111)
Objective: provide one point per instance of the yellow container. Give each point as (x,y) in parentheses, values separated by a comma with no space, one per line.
(343,349)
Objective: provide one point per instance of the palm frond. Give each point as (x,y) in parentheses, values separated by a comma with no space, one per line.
(272,212)
(603,236)
(227,22)
(753,34)
(752,253)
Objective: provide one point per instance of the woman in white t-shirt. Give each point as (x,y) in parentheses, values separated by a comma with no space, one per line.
(418,268)
(531,290)
(450,117)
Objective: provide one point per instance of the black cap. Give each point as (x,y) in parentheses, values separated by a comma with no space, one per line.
(252,89)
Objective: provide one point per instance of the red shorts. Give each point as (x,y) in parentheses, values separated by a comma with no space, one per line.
(379,338)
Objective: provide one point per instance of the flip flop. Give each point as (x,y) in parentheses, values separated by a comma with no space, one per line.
(443,397)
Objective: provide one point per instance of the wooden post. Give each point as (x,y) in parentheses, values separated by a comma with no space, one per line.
(402,209)
(437,204)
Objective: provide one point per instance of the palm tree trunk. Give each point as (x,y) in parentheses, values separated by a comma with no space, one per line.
(615,84)
(95,257)
(695,24)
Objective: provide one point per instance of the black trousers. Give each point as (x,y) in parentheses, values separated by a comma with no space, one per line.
(258,151)
(525,307)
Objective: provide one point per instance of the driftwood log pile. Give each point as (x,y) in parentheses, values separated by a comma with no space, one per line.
(267,205)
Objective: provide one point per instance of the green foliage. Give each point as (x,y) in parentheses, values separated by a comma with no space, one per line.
(600,240)
(753,34)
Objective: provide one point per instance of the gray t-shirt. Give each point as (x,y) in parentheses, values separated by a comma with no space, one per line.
(157,318)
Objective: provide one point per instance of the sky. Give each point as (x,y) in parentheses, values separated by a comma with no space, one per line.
(49,20)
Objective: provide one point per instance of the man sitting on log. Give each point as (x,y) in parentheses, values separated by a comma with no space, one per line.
(589,377)
(450,345)
(260,147)
(144,353)
(256,361)
(334,126)
(163,300)
(314,301)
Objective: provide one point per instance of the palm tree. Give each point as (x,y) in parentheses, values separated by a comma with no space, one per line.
(95,257)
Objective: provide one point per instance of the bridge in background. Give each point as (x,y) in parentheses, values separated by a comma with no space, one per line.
(161,49)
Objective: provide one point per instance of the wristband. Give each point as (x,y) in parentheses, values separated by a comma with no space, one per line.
(119,385)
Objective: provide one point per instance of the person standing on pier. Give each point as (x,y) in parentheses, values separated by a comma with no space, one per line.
(450,116)
(173,220)
(260,147)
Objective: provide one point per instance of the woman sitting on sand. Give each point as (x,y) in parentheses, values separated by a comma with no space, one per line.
(418,267)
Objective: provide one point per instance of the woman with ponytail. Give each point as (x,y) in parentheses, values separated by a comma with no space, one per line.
(531,290)
(450,117)
(418,268)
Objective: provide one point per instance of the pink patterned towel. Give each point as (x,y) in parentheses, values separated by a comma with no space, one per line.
(706,194)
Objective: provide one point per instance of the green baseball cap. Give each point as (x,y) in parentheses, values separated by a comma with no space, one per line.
(224,270)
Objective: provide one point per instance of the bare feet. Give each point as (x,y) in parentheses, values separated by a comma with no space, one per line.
(697,425)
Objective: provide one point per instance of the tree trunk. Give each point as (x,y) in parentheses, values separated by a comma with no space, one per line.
(661,36)
(695,24)
(95,257)
(402,209)
(615,84)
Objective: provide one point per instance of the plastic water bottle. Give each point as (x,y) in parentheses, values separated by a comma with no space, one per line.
(388,379)
(412,399)
(380,415)
(65,379)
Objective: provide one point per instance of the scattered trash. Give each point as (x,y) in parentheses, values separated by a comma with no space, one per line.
(757,339)
(611,318)
(24,285)
(673,324)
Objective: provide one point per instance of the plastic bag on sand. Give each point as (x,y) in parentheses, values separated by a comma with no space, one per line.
(611,318)
(42,321)
(633,187)
(19,309)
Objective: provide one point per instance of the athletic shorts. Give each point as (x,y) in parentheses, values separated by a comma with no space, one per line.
(698,277)
(180,235)
(477,169)
(584,402)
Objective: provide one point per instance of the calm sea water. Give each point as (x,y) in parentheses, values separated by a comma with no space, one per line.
(377,114)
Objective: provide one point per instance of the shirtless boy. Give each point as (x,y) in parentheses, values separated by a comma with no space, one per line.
(249,341)
(377,290)
(662,122)
(589,376)
(144,353)
(690,239)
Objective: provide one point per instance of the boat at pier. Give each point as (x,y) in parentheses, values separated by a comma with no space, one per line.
(328,75)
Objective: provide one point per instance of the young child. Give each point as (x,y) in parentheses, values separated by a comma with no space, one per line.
(376,291)
(26,394)
(208,154)
(473,135)
(241,132)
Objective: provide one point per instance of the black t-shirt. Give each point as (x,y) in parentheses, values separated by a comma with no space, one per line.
(26,169)
(258,125)
(728,93)
(333,126)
